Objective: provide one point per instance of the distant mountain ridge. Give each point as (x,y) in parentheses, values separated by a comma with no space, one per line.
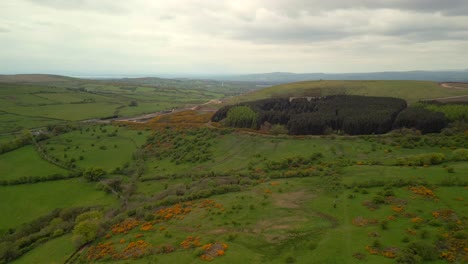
(259,78)
(33,78)
(286,77)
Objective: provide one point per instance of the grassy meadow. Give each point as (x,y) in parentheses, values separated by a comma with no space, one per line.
(24,162)
(23,203)
(411,91)
(29,102)
(107,147)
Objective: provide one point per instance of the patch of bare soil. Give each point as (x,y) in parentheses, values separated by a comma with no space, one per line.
(458,86)
(274,230)
(291,199)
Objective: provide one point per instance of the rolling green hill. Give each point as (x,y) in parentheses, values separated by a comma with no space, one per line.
(411,91)
(35,100)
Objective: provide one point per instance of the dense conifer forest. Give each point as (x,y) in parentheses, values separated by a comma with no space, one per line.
(349,114)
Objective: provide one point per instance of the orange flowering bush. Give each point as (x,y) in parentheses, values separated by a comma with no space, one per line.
(397,208)
(361,221)
(211,251)
(417,220)
(178,120)
(136,249)
(147,226)
(372,250)
(423,191)
(101,251)
(445,214)
(125,226)
(190,242)
(176,211)
(389,252)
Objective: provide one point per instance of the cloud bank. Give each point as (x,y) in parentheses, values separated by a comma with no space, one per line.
(214,36)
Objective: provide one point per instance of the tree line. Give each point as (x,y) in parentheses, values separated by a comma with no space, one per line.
(349,114)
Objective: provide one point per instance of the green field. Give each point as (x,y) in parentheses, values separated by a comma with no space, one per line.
(36,101)
(411,91)
(24,162)
(23,203)
(106,147)
(54,251)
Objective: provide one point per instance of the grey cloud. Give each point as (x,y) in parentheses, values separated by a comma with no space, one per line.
(101,6)
(289,34)
(295,7)
(341,24)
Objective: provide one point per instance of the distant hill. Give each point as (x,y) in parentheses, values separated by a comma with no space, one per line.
(34,78)
(286,77)
(411,91)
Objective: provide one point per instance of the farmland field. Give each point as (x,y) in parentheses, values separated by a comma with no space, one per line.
(411,91)
(55,251)
(23,203)
(24,162)
(107,147)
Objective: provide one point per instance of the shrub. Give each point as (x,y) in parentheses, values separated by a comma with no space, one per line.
(460,155)
(94,174)
(423,249)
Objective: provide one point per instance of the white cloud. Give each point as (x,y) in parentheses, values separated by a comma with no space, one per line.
(214,36)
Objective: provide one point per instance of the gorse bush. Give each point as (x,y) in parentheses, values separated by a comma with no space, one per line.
(422,159)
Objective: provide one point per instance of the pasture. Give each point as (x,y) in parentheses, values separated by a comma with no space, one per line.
(106,147)
(25,162)
(54,251)
(411,91)
(26,202)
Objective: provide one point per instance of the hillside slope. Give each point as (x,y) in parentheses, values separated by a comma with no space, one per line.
(411,91)
(34,78)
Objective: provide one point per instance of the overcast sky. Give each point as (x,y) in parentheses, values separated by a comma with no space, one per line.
(84,37)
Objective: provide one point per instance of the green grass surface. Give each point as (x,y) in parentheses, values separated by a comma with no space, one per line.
(235,152)
(108,152)
(25,162)
(24,203)
(54,251)
(29,104)
(411,91)
(11,123)
(6,138)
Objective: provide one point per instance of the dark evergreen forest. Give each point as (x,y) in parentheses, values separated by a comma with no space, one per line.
(350,114)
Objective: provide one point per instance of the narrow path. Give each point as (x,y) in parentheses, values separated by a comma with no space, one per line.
(347,238)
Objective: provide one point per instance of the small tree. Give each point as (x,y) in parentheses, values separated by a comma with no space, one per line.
(133,104)
(86,227)
(94,174)
(278,130)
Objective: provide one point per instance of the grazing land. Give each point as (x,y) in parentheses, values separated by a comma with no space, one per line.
(181,188)
(411,91)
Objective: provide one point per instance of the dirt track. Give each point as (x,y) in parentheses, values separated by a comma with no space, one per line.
(453,86)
